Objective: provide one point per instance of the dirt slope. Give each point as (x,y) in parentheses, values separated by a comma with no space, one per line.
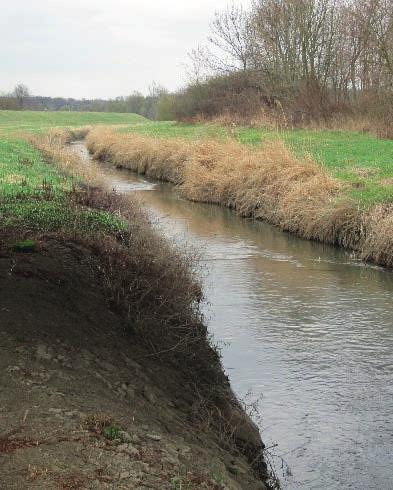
(82,405)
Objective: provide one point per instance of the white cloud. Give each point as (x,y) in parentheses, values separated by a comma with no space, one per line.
(99,48)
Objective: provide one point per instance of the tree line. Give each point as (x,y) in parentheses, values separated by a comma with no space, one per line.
(310,57)
(156,105)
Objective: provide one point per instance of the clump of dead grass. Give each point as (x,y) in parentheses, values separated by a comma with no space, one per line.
(378,243)
(97,422)
(66,135)
(267,182)
(164,160)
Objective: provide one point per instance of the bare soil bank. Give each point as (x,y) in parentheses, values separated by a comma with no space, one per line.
(83,405)
(267,183)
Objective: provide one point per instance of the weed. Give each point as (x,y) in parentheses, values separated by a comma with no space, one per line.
(71,482)
(112,432)
(104,425)
(37,473)
(25,161)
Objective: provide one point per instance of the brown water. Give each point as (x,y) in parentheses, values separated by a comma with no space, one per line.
(304,324)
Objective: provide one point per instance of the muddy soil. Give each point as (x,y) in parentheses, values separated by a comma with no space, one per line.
(82,403)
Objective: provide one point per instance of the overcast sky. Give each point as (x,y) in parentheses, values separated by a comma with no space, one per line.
(99,48)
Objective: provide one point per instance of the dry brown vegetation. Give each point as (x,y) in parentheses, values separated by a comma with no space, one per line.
(268,183)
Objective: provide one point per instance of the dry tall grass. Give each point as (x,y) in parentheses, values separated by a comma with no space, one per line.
(267,183)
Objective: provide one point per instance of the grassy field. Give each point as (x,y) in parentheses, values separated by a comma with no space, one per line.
(35,121)
(363,161)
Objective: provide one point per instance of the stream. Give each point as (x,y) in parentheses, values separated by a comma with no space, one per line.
(306,327)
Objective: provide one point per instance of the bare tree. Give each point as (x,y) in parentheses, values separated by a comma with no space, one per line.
(21,93)
(381,13)
(344,45)
(198,67)
(232,35)
(296,38)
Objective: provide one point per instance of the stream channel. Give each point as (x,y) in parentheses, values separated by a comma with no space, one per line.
(306,326)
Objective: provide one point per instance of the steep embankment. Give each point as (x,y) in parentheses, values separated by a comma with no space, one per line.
(267,183)
(83,403)
(108,378)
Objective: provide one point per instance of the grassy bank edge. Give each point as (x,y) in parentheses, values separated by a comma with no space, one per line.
(267,182)
(152,285)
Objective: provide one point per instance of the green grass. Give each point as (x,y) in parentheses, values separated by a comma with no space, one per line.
(35,121)
(171,129)
(35,196)
(362,161)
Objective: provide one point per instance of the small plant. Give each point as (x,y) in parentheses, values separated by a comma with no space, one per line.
(112,432)
(37,473)
(25,246)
